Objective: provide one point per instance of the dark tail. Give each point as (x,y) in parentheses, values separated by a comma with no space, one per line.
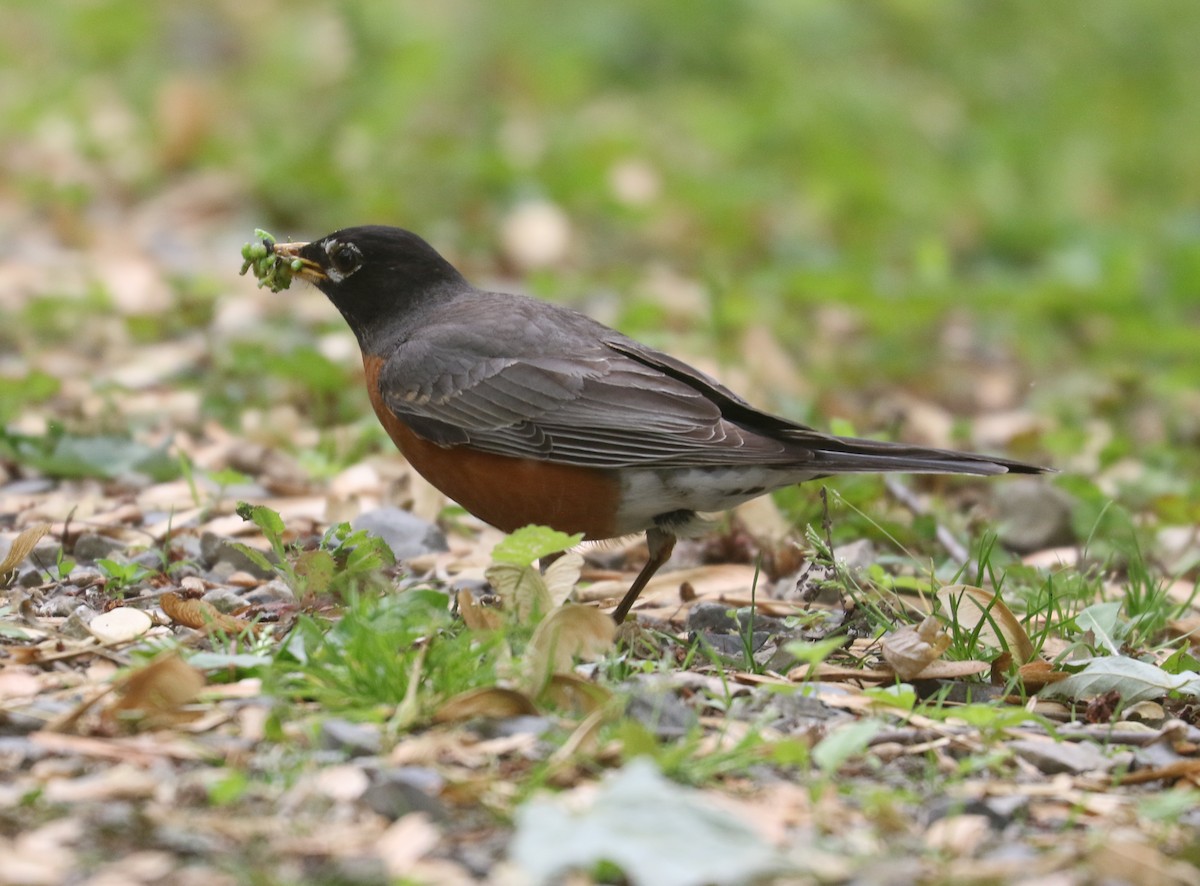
(849,455)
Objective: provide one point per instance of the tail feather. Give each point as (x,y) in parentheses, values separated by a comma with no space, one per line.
(849,455)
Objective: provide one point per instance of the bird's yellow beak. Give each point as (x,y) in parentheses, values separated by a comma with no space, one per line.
(309,270)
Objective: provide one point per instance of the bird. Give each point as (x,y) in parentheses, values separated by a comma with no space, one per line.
(527,412)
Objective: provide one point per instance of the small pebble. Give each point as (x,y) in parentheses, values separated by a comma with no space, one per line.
(91,547)
(120,624)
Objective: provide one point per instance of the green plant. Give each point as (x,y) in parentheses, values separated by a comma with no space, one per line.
(384,653)
(119,576)
(344,560)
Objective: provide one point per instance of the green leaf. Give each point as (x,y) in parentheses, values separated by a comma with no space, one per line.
(265,519)
(531,543)
(844,744)
(815,653)
(315,569)
(219,661)
(901,696)
(1134,680)
(259,558)
(1104,621)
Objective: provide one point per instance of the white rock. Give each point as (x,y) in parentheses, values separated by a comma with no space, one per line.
(119,625)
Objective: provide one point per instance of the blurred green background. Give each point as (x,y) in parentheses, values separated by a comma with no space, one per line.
(908,195)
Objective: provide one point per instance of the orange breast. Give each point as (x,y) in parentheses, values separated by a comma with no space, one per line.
(506,492)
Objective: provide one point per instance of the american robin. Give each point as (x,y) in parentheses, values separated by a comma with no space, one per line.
(525,412)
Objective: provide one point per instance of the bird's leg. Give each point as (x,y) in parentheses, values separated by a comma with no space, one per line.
(661,543)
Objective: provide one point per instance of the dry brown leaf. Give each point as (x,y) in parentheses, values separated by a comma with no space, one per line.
(532,594)
(571,631)
(910,650)
(124,781)
(562,575)
(490,701)
(971,607)
(143,750)
(570,691)
(18,683)
(200,615)
(1172,772)
(583,739)
(1038,674)
(475,615)
(20,548)
(153,694)
(1134,860)
(950,670)
(406,842)
(523,590)
(836,673)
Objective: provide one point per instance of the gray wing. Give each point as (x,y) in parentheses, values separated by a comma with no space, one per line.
(547,383)
(555,385)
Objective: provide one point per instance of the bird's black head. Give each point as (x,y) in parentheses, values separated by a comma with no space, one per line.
(373,274)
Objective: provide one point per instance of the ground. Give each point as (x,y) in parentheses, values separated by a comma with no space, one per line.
(956,226)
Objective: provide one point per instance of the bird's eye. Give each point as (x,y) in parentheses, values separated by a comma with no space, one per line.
(344,258)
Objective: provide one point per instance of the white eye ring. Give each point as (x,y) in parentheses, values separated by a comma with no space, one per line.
(344,260)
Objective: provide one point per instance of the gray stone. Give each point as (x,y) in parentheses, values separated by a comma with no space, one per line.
(396,792)
(274,591)
(151,560)
(46,553)
(215,550)
(32,486)
(719,618)
(76,624)
(525,724)
(1053,757)
(855,555)
(354,739)
(31,578)
(224,599)
(659,708)
(705,617)
(1033,515)
(405,533)
(91,547)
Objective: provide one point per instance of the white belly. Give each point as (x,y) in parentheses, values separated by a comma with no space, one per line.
(646,493)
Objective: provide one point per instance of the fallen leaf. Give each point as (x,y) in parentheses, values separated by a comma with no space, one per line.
(476,616)
(490,701)
(153,695)
(532,594)
(572,692)
(522,589)
(1036,675)
(124,781)
(1134,680)
(958,835)
(408,840)
(20,548)
(974,608)
(838,673)
(654,830)
(950,670)
(569,632)
(1052,757)
(911,649)
(200,615)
